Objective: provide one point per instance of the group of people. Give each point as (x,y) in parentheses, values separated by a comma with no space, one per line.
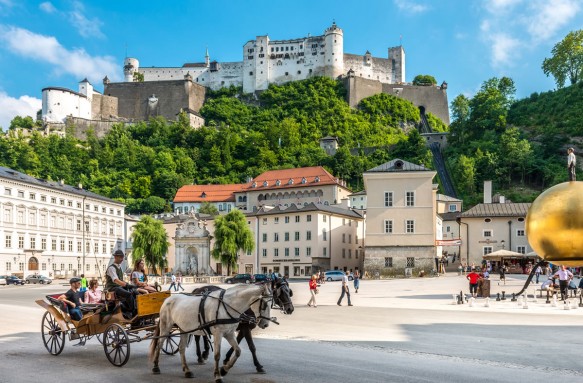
(565,277)
(477,280)
(318,277)
(78,295)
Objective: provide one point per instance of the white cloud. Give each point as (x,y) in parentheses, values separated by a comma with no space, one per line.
(11,107)
(47,49)
(497,6)
(47,7)
(548,17)
(410,6)
(86,27)
(504,50)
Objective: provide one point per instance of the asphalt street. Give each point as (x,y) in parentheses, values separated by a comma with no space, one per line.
(397,331)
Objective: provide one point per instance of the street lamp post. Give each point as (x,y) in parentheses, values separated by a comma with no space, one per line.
(79,271)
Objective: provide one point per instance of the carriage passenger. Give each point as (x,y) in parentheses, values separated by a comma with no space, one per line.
(115,283)
(72,299)
(140,279)
(93,295)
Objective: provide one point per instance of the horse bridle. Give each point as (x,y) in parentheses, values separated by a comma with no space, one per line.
(277,302)
(263,304)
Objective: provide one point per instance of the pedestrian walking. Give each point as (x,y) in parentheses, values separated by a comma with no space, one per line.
(502,274)
(345,290)
(537,272)
(356,281)
(313,290)
(564,276)
(179,282)
(173,283)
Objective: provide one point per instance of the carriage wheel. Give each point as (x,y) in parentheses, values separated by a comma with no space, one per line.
(116,345)
(99,338)
(53,336)
(170,345)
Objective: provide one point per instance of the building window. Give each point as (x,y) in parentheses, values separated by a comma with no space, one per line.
(33,243)
(43,243)
(520,233)
(297,251)
(264,252)
(343,253)
(349,238)
(7,191)
(21,242)
(297,236)
(276,220)
(388,199)
(286,219)
(32,196)
(308,235)
(78,225)
(521,249)
(96,247)
(323,218)
(79,247)
(297,218)
(309,218)
(104,248)
(20,216)
(452,208)
(325,251)
(32,218)
(410,226)
(388,226)
(286,236)
(265,221)
(275,237)
(8,215)
(8,241)
(448,229)
(410,262)
(71,246)
(20,194)
(388,261)
(324,236)
(488,233)
(43,198)
(410,198)
(308,251)
(62,243)
(486,250)
(343,238)
(264,236)
(276,252)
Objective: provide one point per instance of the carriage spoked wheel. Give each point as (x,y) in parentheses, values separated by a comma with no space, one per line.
(116,344)
(99,338)
(53,336)
(170,345)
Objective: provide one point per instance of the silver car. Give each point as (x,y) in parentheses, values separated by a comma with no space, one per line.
(38,279)
(336,275)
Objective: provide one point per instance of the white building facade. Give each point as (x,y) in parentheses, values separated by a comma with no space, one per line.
(54,229)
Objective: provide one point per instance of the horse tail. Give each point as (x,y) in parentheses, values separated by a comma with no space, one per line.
(154,344)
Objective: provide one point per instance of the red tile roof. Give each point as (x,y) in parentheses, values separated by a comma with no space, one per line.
(292,178)
(208,193)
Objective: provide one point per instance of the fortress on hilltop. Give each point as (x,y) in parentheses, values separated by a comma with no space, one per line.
(167,91)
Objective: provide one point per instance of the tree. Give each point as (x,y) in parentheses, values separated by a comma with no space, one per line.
(567,59)
(424,80)
(208,208)
(138,77)
(231,236)
(150,241)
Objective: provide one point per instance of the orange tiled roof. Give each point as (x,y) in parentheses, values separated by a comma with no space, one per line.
(208,193)
(292,178)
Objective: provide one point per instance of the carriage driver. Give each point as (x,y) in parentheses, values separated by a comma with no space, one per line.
(114,282)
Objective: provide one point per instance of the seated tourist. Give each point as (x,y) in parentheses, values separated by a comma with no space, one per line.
(549,284)
(93,295)
(139,278)
(72,299)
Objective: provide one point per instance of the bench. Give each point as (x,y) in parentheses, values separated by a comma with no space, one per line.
(572,292)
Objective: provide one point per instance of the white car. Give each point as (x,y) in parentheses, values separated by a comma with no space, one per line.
(336,275)
(2,280)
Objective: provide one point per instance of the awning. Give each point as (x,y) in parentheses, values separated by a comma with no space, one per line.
(507,254)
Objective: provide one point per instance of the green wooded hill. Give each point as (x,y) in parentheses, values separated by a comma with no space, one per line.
(144,164)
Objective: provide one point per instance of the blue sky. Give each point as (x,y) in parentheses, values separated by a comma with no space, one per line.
(463,42)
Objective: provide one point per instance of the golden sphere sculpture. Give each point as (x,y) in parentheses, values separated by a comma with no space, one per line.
(554,224)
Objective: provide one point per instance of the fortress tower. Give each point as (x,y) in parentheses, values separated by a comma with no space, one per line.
(397,58)
(130,66)
(334,51)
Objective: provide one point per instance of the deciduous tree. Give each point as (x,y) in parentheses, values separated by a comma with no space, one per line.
(231,236)
(567,59)
(150,241)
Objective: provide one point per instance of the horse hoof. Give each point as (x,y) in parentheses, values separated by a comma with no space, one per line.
(188,374)
(223,371)
(205,355)
(225,361)
(218,380)
(260,370)
(200,361)
(156,370)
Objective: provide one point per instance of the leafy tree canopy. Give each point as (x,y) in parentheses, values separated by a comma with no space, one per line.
(424,80)
(566,62)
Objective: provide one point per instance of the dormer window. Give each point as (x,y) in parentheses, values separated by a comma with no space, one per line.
(304,180)
(277,183)
(317,179)
(265,183)
(254,185)
(291,181)
(203,195)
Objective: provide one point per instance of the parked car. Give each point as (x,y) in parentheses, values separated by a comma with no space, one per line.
(336,275)
(3,280)
(241,278)
(262,278)
(35,278)
(14,280)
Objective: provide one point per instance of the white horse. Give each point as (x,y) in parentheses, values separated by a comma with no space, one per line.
(220,313)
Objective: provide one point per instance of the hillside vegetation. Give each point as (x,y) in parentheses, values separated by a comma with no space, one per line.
(144,164)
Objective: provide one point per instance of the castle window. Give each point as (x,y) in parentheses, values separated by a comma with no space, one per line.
(277,49)
(301,46)
(290,182)
(277,183)
(310,71)
(287,48)
(286,73)
(291,48)
(304,180)
(249,57)
(299,72)
(272,49)
(250,73)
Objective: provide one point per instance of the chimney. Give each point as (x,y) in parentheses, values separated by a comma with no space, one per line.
(502,199)
(345,203)
(487,191)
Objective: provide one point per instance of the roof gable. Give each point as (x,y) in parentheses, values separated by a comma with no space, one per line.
(398,165)
(208,193)
(292,178)
(497,210)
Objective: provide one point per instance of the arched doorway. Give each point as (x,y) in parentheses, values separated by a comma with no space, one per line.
(33,264)
(192,268)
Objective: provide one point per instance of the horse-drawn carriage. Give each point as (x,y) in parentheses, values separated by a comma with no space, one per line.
(106,322)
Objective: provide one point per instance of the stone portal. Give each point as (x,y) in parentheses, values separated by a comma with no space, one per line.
(192,248)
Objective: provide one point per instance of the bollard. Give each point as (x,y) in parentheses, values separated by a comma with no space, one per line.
(497,297)
(472,300)
(519,300)
(548,297)
(462,297)
(554,304)
(487,304)
(574,305)
(503,295)
(524,302)
(460,300)
(566,305)
(581,300)
(513,298)
(455,300)
(534,300)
